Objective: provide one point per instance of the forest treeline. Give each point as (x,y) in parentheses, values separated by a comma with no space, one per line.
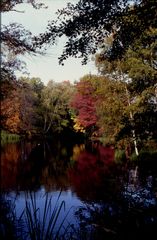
(118,106)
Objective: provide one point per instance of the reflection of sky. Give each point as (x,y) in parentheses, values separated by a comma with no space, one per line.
(46,67)
(71,204)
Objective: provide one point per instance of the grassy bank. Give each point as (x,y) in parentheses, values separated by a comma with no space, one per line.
(7,137)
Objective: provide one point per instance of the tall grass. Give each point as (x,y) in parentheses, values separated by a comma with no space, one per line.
(8,219)
(35,223)
(43,227)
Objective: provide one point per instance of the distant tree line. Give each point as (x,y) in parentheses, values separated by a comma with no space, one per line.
(31,108)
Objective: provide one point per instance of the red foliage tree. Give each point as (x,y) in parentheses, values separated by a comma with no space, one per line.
(84,104)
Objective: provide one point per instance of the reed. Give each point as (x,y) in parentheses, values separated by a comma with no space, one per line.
(44,225)
(40,224)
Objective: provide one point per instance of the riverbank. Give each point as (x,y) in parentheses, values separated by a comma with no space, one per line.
(7,137)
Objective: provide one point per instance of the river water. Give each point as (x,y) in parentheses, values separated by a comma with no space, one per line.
(84,191)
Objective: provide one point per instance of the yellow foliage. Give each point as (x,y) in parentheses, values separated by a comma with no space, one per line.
(77,126)
(77,149)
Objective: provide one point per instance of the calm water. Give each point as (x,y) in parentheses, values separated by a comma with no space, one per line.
(99,197)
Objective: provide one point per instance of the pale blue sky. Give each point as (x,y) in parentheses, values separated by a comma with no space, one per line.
(47,67)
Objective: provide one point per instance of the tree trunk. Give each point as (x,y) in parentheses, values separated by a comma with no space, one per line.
(131,118)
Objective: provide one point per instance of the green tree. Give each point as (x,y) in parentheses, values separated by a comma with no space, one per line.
(27,100)
(55,106)
(86,24)
(32,88)
(111,105)
(137,70)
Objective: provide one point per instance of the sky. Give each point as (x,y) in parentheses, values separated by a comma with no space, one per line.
(47,67)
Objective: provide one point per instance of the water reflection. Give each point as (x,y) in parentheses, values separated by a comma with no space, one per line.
(139,193)
(91,175)
(12,156)
(27,166)
(113,200)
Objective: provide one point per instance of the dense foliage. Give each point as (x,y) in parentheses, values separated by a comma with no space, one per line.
(32,108)
(87,23)
(15,41)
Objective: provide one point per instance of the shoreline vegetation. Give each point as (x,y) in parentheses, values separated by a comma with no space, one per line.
(7,137)
(147,151)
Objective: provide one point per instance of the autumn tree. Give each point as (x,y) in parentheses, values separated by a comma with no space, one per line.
(84,106)
(99,104)
(15,42)
(110,108)
(18,108)
(10,119)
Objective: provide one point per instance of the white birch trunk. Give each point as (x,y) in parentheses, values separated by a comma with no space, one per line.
(131,117)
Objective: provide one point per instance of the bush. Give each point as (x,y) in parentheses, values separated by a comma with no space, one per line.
(134,157)
(120,155)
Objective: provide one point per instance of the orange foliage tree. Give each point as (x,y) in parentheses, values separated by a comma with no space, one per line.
(17,113)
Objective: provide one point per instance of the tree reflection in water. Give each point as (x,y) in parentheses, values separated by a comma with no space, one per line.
(119,199)
(27,166)
(121,202)
(95,176)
